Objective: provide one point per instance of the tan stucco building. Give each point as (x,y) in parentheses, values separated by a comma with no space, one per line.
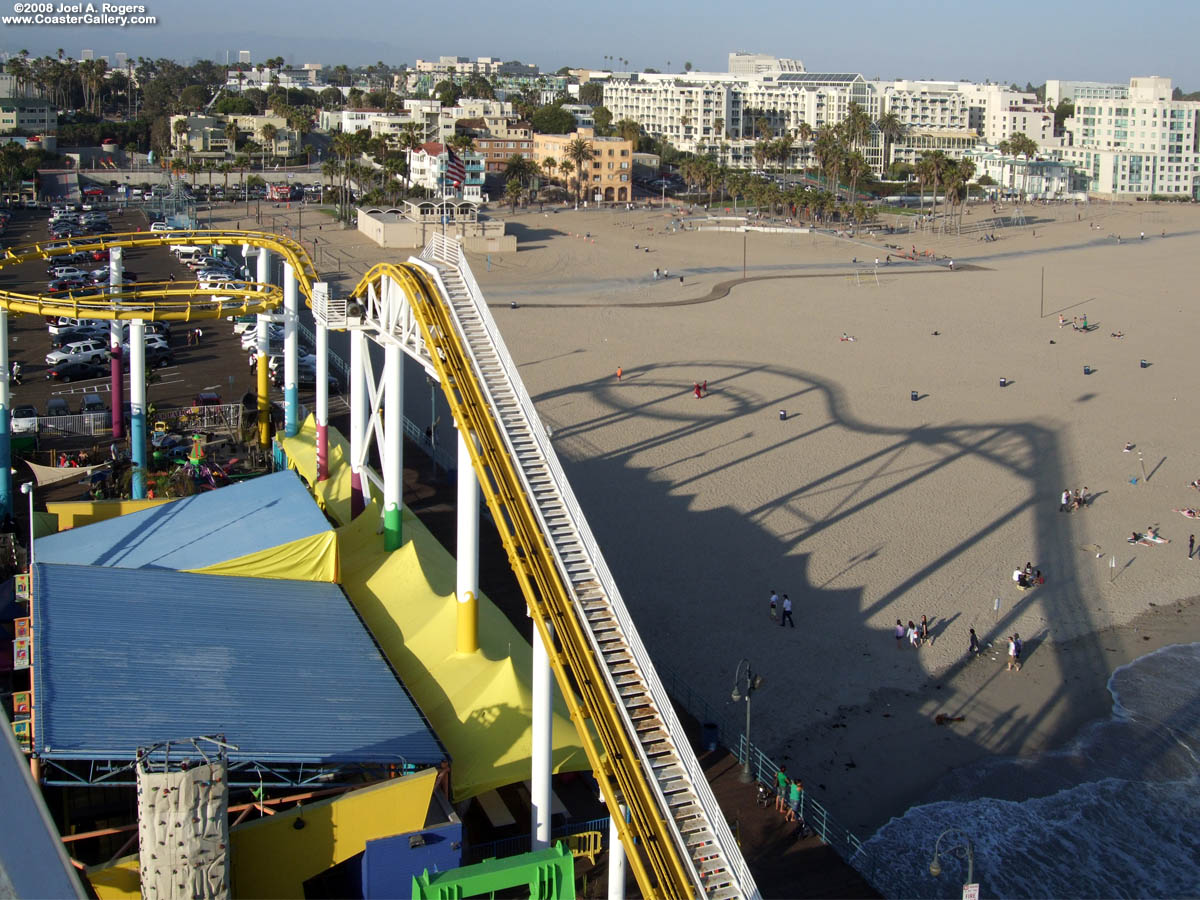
(610,177)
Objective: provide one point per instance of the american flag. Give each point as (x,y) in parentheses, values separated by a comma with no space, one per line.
(456,171)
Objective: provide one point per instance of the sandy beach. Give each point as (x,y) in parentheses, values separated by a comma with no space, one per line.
(861,504)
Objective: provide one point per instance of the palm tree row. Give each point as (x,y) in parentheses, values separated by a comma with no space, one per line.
(954,175)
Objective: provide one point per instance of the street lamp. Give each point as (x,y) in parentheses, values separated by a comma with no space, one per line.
(27,489)
(745,683)
(960,846)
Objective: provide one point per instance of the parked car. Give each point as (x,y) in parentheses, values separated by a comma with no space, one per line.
(24,419)
(250,336)
(207,398)
(62,285)
(76,370)
(88,351)
(97,332)
(57,406)
(92,403)
(65,323)
(61,271)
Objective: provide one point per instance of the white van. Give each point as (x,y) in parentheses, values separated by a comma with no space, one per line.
(188,254)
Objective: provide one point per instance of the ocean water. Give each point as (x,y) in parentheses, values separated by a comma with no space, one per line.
(1114,814)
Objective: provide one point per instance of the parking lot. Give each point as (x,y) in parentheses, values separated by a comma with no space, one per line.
(217,363)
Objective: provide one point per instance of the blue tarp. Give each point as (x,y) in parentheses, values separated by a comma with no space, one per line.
(194,532)
(283,669)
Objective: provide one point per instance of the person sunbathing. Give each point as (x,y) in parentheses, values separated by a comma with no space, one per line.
(1188,512)
(1117,334)
(1195,484)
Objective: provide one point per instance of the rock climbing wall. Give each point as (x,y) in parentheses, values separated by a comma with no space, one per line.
(183,830)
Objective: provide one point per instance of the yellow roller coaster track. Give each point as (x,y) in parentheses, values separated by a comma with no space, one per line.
(158,301)
(647,836)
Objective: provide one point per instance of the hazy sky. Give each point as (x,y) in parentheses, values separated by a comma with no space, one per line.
(1017,40)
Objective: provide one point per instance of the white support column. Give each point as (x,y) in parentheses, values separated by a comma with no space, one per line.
(393,434)
(137,404)
(541,757)
(616,856)
(467,562)
(322,412)
(291,392)
(358,421)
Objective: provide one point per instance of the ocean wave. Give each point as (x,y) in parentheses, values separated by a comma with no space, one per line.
(1110,815)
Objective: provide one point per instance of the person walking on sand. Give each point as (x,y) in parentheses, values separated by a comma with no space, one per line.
(618,373)
(696,389)
(1191,544)
(1014,654)
(914,636)
(899,635)
(973,646)
(924,629)
(774,604)
(786,618)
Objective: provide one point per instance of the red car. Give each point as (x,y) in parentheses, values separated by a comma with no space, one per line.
(100,255)
(60,285)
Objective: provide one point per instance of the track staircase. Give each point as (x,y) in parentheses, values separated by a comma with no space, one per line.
(674,819)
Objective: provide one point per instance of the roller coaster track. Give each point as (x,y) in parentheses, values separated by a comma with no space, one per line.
(158,301)
(676,837)
(677,840)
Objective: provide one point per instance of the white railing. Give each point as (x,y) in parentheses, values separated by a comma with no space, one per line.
(448,251)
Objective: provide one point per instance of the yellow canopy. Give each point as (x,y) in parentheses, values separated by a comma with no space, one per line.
(480,704)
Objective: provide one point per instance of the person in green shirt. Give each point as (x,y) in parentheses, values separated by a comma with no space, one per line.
(793,801)
(781,791)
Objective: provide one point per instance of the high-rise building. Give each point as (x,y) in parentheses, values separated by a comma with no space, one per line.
(121,58)
(244,56)
(87,54)
(1138,144)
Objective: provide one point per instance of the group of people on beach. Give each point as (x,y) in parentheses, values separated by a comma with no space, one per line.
(1028,577)
(1077,323)
(1073,500)
(915,634)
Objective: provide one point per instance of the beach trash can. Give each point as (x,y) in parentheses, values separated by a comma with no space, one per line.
(711,736)
(1003,382)
(1144,364)
(782,414)
(1087,370)
(915,396)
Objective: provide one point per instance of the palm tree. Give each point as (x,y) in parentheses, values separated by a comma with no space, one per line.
(964,171)
(410,140)
(268,133)
(231,135)
(513,191)
(225,168)
(828,150)
(549,164)
(180,129)
(856,126)
(578,151)
(890,127)
(854,164)
(520,169)
(1022,145)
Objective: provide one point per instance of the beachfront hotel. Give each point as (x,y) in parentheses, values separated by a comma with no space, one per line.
(1138,143)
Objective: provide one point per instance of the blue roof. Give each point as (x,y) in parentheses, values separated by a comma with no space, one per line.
(284,669)
(194,532)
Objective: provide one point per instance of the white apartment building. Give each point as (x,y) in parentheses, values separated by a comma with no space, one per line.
(1041,179)
(1138,144)
(722,112)
(583,114)
(205,135)
(460,65)
(434,122)
(926,105)
(998,112)
(1057,90)
(742,63)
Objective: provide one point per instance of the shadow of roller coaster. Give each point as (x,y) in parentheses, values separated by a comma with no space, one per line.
(675,836)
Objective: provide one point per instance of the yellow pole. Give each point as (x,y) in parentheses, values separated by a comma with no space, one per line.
(468,623)
(264,404)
